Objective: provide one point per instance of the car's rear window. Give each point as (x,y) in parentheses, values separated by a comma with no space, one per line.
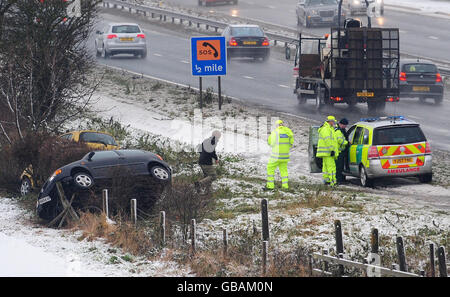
(125,29)
(323,2)
(247,31)
(398,135)
(419,68)
(97,138)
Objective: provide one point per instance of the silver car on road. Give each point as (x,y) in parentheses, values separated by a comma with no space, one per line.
(121,38)
(318,12)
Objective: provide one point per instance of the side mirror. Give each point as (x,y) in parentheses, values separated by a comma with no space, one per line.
(287,52)
(98,32)
(91,154)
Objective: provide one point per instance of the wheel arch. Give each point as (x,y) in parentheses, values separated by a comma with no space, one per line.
(78,169)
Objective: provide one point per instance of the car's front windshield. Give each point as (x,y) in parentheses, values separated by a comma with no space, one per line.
(321,2)
(94,137)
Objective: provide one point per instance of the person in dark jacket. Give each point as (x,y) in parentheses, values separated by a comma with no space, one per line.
(342,162)
(207,157)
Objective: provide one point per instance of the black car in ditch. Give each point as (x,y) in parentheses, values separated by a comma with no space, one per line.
(97,168)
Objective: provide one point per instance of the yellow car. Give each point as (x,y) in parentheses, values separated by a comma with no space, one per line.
(95,140)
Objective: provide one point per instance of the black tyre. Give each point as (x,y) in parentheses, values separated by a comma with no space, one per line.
(160,173)
(381,106)
(426,178)
(422,99)
(438,100)
(105,54)
(83,180)
(301,99)
(97,53)
(25,186)
(143,54)
(319,97)
(364,180)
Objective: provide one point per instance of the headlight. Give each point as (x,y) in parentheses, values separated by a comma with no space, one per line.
(314,12)
(356,2)
(57,172)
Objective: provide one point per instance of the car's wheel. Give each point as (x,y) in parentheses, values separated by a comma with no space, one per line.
(83,180)
(381,106)
(265,58)
(422,99)
(364,180)
(235,2)
(382,11)
(438,100)
(25,186)
(144,54)
(105,54)
(160,173)
(97,53)
(426,178)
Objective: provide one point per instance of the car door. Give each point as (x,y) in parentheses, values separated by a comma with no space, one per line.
(133,162)
(103,164)
(355,150)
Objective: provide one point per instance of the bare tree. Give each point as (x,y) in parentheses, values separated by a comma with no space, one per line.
(44,65)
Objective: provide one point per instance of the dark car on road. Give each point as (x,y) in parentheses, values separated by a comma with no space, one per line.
(420,79)
(317,12)
(98,167)
(209,2)
(246,41)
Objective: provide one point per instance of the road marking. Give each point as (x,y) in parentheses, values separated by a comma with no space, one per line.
(414,117)
(185,62)
(284,86)
(248,77)
(433,37)
(158,55)
(402,32)
(271,6)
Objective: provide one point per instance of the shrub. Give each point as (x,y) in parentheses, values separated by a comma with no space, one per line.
(182,203)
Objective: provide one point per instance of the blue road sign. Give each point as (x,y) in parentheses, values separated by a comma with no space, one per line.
(208,56)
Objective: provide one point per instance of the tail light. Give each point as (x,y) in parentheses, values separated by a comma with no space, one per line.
(403,76)
(265,42)
(392,99)
(159,157)
(338,99)
(233,42)
(438,77)
(296,71)
(373,153)
(141,36)
(428,148)
(111,36)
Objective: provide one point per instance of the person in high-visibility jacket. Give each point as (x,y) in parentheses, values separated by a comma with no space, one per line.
(328,150)
(280,140)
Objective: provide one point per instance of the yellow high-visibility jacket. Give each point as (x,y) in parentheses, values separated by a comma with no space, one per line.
(280,140)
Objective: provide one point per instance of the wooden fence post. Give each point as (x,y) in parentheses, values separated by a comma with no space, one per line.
(105,202)
(225,242)
(339,244)
(265,220)
(264,256)
(193,234)
(401,254)
(432,260)
(324,263)
(133,211)
(442,263)
(162,227)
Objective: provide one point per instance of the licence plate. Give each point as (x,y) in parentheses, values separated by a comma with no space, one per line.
(44,200)
(126,39)
(249,42)
(402,161)
(327,19)
(365,94)
(421,89)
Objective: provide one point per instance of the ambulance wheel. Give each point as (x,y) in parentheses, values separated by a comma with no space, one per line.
(365,181)
(426,178)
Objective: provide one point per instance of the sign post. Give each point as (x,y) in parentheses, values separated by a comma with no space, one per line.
(209,58)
